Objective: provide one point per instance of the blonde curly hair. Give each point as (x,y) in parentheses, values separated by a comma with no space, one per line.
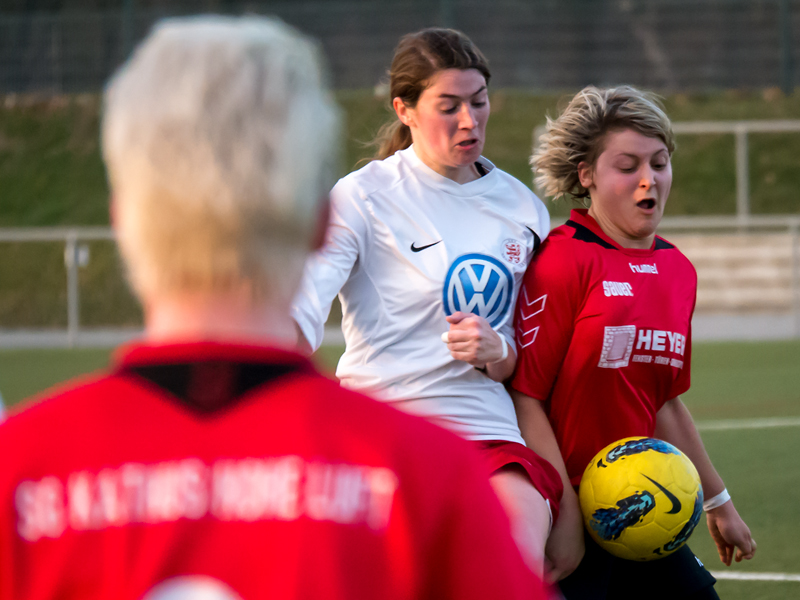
(577,134)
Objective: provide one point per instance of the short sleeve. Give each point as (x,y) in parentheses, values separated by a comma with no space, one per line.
(547,307)
(327,270)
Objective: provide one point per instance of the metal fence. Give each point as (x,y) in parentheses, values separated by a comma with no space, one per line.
(741,131)
(667,45)
(748,267)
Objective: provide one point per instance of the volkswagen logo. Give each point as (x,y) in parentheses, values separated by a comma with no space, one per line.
(481,285)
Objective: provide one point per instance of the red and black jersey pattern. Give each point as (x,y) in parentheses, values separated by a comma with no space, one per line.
(241,469)
(604,335)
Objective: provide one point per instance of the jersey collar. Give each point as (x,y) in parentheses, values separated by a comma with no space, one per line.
(442,183)
(145,353)
(581,218)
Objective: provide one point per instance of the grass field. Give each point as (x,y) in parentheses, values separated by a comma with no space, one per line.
(51,174)
(730,381)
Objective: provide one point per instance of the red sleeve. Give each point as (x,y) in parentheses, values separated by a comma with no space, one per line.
(548,304)
(477,557)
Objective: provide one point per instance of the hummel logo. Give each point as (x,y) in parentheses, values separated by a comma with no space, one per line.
(644,268)
(421,248)
(676,504)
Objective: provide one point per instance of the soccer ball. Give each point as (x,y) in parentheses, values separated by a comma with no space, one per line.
(641,498)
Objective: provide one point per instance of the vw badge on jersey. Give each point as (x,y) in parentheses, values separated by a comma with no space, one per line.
(481,285)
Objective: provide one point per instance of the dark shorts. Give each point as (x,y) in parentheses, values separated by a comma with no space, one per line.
(544,477)
(602,576)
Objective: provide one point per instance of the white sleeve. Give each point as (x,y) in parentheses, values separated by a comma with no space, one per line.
(328,269)
(543,230)
(544,218)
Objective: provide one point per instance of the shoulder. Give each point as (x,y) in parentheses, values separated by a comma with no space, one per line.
(514,195)
(561,266)
(60,409)
(375,175)
(561,247)
(512,182)
(507,184)
(678,260)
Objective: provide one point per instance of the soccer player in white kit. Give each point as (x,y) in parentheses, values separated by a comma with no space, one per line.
(428,245)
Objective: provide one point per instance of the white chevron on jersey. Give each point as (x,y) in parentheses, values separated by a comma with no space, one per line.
(528,309)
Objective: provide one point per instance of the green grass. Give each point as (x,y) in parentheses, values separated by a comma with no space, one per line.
(745,380)
(51,174)
(730,380)
(24,373)
(50,167)
(51,171)
(759,467)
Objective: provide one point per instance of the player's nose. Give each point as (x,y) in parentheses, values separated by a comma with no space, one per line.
(467,118)
(648,178)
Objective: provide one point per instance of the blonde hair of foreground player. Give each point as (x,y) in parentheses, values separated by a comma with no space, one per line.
(215,215)
(625,169)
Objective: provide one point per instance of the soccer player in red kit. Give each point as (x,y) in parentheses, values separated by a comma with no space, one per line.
(212,461)
(604,334)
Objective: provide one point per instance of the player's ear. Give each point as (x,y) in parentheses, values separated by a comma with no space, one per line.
(585,174)
(321,226)
(404,113)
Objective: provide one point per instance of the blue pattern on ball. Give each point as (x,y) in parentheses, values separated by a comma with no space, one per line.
(639,446)
(683,535)
(609,523)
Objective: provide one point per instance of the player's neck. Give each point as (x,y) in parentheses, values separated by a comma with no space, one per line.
(460,174)
(220,317)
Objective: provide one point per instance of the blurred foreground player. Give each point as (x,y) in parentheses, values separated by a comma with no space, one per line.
(211,462)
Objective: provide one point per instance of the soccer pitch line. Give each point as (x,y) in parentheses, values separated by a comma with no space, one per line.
(745,576)
(766,423)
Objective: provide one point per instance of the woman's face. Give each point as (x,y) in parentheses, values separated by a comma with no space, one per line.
(629,184)
(448,124)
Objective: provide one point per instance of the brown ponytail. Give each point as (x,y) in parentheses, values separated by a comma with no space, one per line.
(417,58)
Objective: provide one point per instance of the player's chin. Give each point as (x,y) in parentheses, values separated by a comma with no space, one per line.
(645,228)
(468,153)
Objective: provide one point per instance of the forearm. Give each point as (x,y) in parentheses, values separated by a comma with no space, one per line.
(674,424)
(564,549)
(538,433)
(502,370)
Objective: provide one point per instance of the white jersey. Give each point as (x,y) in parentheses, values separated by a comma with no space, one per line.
(406,247)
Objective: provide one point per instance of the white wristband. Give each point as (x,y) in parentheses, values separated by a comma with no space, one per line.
(717,500)
(505,347)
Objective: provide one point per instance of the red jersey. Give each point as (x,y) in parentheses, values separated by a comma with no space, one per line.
(603,336)
(242,466)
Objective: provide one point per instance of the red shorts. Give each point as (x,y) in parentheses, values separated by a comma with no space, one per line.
(544,476)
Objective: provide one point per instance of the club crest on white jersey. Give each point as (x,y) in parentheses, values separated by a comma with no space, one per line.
(513,251)
(481,285)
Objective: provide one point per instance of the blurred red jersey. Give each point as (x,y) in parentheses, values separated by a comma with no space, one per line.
(240,467)
(603,336)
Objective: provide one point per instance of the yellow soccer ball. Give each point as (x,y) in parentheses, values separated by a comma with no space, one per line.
(641,498)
